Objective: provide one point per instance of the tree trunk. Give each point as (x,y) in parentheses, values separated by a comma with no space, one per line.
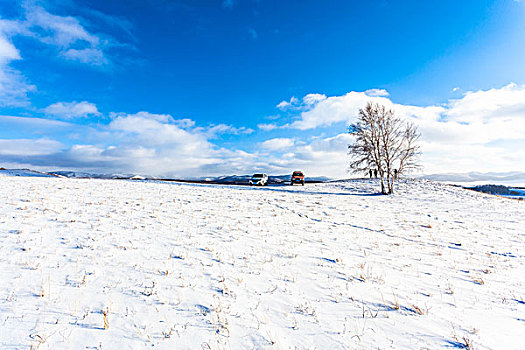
(390,183)
(383,189)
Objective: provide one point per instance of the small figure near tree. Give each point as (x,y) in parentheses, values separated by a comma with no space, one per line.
(370,171)
(383,142)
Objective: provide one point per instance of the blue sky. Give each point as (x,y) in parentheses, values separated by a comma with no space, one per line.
(197,88)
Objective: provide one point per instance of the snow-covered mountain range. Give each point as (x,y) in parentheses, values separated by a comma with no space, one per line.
(229,179)
(514,178)
(511,179)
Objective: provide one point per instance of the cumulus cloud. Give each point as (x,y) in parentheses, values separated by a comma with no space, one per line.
(155,144)
(451,133)
(147,129)
(335,109)
(481,131)
(283,105)
(184,123)
(485,106)
(72,110)
(277,144)
(319,156)
(312,99)
(377,93)
(307,102)
(479,116)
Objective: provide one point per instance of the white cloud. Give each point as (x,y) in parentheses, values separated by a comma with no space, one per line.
(377,93)
(8,52)
(89,55)
(459,135)
(73,41)
(29,147)
(13,85)
(333,110)
(66,33)
(160,145)
(277,144)
(14,88)
(288,104)
(482,131)
(32,123)
(485,106)
(144,143)
(86,153)
(307,102)
(267,127)
(72,110)
(131,152)
(214,130)
(321,156)
(57,30)
(312,99)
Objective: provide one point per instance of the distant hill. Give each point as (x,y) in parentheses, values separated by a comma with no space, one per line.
(24,172)
(244,179)
(228,179)
(84,175)
(71,174)
(514,178)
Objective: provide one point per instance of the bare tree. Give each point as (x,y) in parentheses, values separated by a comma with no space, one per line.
(383,142)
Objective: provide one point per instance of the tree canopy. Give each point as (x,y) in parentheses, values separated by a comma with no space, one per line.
(385,143)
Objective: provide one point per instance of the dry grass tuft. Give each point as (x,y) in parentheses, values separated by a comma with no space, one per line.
(417,309)
(479,281)
(396,303)
(106,322)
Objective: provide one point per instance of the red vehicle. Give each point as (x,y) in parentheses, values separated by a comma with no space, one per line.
(297,178)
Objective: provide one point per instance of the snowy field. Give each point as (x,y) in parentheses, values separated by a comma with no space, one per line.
(106,264)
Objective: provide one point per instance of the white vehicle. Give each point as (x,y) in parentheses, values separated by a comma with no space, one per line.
(259,179)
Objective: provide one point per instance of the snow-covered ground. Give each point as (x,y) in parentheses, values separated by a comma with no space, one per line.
(123,264)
